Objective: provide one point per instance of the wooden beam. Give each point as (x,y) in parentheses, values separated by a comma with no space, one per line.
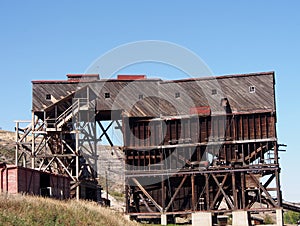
(264,190)
(148,195)
(279,198)
(269,180)
(67,171)
(243,190)
(234,191)
(176,193)
(193,191)
(211,143)
(223,192)
(207,192)
(104,132)
(145,203)
(219,190)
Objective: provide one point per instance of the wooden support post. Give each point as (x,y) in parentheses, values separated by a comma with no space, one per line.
(243,190)
(163,194)
(127,198)
(193,191)
(33,142)
(77,164)
(275,153)
(279,198)
(17,145)
(95,147)
(207,192)
(234,191)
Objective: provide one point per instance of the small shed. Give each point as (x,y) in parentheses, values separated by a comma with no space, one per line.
(17,179)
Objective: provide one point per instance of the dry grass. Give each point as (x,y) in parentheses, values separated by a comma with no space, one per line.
(27,210)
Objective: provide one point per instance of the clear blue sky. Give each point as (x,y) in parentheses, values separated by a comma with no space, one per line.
(48,39)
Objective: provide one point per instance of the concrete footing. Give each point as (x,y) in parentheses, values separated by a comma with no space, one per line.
(163,219)
(279,219)
(240,218)
(202,218)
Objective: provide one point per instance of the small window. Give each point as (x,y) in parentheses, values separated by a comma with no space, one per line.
(141,96)
(213,92)
(177,95)
(107,95)
(48,96)
(251,89)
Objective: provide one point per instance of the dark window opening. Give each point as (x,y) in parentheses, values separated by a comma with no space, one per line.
(225,104)
(48,96)
(45,189)
(252,89)
(107,95)
(214,92)
(177,95)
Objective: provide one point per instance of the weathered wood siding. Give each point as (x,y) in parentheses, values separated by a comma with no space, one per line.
(144,98)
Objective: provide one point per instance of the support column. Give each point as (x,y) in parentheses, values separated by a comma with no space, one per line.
(234,191)
(33,142)
(17,145)
(240,218)
(77,165)
(279,218)
(202,218)
(193,191)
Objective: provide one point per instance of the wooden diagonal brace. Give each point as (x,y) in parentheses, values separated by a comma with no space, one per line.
(148,195)
(218,192)
(104,132)
(67,171)
(176,193)
(268,182)
(264,190)
(223,192)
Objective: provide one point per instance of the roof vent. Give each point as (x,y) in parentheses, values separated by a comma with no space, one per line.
(83,77)
(131,77)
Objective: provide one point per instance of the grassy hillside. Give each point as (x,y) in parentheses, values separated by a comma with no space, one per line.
(26,210)
(7,147)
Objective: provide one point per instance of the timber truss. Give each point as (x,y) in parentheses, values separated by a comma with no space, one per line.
(218,188)
(64,143)
(213,190)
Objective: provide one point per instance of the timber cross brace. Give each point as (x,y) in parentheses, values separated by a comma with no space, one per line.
(205,191)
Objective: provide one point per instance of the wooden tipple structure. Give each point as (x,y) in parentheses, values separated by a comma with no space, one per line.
(202,147)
